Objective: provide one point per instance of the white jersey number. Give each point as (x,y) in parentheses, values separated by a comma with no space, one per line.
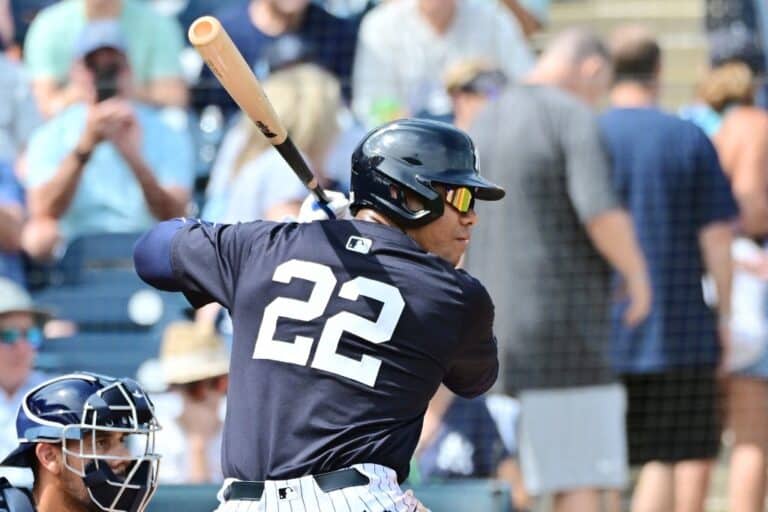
(365,370)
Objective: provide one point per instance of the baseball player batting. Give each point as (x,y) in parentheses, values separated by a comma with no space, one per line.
(343,329)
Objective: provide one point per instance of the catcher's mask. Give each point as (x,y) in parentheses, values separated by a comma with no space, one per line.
(102,424)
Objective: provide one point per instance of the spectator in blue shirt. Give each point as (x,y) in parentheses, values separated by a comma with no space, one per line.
(667,173)
(255,25)
(11,222)
(106,165)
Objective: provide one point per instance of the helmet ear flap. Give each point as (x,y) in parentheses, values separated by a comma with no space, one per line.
(414,154)
(375,189)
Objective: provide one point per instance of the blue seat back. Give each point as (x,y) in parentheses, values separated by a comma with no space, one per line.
(111,353)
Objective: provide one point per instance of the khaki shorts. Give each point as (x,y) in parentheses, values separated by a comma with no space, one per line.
(573,438)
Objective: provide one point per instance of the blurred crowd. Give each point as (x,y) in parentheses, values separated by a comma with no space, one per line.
(628,264)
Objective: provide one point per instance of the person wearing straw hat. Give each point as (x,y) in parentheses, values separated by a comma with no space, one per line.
(194,362)
(21,335)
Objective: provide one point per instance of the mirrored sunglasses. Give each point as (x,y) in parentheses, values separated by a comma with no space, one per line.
(33,335)
(461,198)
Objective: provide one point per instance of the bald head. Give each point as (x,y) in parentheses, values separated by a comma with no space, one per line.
(577,61)
(574,46)
(636,54)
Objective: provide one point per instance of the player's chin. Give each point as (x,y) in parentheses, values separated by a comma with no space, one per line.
(458,248)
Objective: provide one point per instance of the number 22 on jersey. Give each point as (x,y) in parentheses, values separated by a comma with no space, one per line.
(365,370)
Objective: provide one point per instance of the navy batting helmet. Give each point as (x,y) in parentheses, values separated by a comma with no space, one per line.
(414,155)
(78,410)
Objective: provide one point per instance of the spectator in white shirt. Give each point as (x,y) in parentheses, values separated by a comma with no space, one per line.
(405,46)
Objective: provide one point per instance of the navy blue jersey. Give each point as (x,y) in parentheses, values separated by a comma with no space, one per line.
(343,331)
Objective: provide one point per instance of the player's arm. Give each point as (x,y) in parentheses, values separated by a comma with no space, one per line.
(152,255)
(475,365)
(200,259)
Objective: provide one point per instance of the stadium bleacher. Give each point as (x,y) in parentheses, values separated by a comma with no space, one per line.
(119,319)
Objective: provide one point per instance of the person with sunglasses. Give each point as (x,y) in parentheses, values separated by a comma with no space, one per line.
(343,329)
(20,337)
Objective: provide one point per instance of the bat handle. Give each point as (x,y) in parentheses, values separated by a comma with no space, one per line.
(291,155)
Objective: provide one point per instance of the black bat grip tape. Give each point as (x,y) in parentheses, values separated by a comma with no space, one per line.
(291,155)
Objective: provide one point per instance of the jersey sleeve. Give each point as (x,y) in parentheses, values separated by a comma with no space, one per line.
(715,201)
(475,364)
(588,174)
(200,259)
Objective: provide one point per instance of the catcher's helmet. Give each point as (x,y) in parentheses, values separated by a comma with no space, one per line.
(77,410)
(414,154)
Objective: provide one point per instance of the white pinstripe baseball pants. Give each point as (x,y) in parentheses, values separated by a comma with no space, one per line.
(382,494)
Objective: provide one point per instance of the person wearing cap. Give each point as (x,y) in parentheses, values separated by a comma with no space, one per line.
(471,83)
(20,337)
(404,48)
(108,163)
(195,365)
(156,42)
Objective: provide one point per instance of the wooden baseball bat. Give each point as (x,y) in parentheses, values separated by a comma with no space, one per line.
(227,63)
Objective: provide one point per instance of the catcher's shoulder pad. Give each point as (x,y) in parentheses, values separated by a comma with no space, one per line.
(14,499)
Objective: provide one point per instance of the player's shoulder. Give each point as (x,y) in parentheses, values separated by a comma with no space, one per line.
(372,239)
(476,294)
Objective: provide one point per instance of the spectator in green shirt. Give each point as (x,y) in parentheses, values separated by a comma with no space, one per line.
(153,51)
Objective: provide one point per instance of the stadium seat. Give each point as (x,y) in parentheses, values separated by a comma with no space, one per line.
(119,318)
(83,255)
(458,496)
(464,495)
(111,353)
(114,300)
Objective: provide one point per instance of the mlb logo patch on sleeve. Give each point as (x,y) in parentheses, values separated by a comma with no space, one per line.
(359,244)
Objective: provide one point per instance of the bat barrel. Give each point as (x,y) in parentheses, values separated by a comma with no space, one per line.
(227,63)
(204,30)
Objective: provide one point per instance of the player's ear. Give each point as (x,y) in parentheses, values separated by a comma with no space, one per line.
(49,457)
